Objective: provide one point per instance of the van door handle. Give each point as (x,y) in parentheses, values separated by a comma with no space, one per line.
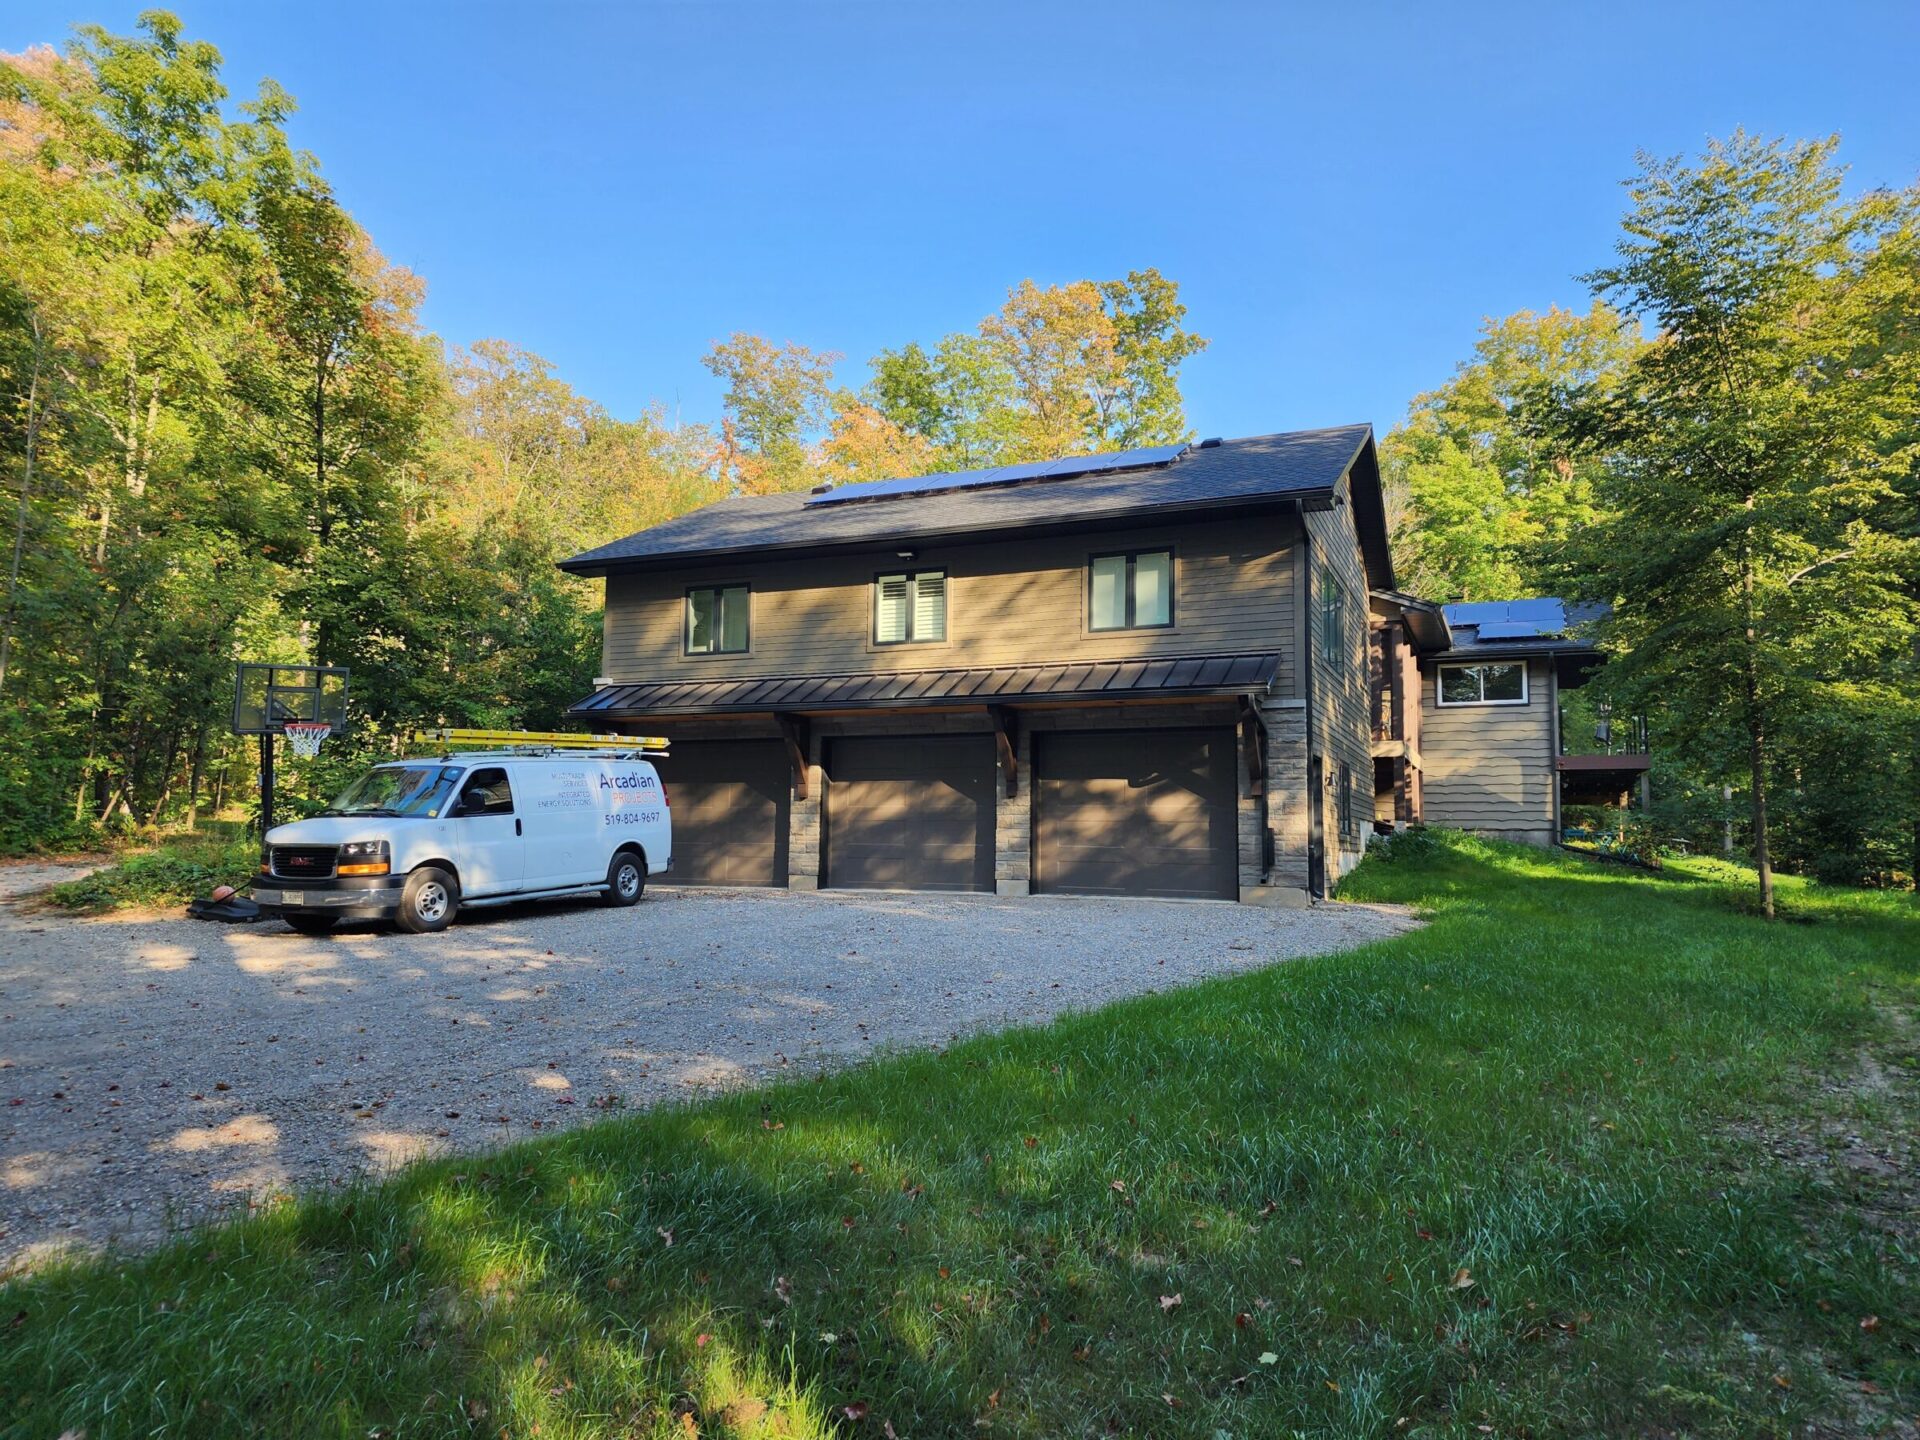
(516,824)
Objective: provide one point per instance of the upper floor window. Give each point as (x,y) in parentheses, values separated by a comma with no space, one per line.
(1133,591)
(1486,684)
(1333,614)
(910,608)
(717,620)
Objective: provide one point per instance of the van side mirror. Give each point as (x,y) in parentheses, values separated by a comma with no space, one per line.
(473,802)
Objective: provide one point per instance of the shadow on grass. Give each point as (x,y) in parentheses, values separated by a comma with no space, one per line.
(1477,1175)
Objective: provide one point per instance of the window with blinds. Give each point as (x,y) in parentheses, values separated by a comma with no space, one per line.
(910,607)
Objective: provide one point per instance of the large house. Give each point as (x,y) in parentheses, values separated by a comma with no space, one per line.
(1182,671)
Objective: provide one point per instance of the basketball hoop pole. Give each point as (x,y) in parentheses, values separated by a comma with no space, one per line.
(266,782)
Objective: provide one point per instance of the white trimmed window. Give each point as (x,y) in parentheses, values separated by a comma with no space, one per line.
(1488,683)
(910,607)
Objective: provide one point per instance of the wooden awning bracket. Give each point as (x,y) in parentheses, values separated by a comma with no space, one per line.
(1005,741)
(793,730)
(1253,746)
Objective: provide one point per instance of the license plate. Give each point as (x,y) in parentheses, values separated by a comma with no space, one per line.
(268,897)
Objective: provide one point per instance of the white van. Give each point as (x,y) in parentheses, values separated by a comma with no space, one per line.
(418,839)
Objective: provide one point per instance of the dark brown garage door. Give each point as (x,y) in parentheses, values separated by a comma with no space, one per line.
(1136,812)
(729,804)
(910,813)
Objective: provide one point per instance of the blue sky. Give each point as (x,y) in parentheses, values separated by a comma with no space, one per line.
(1342,191)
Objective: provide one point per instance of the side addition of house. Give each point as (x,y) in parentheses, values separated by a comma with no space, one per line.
(1134,674)
(1481,720)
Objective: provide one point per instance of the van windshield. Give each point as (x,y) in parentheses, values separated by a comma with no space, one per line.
(398,790)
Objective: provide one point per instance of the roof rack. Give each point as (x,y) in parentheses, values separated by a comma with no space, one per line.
(531,744)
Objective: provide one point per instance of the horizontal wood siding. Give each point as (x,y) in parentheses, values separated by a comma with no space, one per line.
(1008,602)
(1490,768)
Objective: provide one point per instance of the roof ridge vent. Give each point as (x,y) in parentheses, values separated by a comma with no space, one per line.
(1209,444)
(822,488)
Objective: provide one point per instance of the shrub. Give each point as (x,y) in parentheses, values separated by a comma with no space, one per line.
(169,875)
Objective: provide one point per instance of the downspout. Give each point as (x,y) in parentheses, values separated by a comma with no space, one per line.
(1316,820)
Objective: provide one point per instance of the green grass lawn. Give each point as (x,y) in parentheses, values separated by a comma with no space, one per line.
(1569,1161)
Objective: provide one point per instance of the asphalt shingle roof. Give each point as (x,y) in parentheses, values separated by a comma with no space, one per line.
(1300,462)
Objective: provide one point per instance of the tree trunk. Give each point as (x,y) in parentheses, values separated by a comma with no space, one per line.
(196,772)
(1757,762)
(1756,730)
(324,516)
(24,509)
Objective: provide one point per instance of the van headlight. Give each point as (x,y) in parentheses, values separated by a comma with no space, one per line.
(365,857)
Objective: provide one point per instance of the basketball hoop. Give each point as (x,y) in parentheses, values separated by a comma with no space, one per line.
(305,736)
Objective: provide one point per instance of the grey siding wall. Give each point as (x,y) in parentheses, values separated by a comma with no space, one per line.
(1007,602)
(1490,768)
(1342,696)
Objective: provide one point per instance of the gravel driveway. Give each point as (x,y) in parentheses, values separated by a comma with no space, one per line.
(155,1069)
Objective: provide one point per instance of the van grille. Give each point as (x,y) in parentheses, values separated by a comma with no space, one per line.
(304,862)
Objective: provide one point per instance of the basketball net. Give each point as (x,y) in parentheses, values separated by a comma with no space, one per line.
(305,736)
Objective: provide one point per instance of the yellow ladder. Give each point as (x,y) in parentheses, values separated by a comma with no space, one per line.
(543,739)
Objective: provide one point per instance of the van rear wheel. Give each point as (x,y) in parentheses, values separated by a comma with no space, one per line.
(626,879)
(429,901)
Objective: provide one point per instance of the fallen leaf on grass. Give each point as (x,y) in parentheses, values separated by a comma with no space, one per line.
(1462,1279)
(665,1234)
(1267,1357)
(1871,1324)
(1170,1302)
(856,1411)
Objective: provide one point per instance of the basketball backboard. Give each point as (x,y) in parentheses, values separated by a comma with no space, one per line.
(266,696)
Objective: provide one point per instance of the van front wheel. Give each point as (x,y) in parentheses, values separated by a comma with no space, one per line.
(429,901)
(626,879)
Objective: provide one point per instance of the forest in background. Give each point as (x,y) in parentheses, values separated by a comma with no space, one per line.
(227,434)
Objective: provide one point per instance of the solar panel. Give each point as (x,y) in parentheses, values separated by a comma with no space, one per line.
(1516,630)
(1002,475)
(1511,619)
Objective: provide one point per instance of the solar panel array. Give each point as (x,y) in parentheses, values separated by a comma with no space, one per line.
(1511,619)
(1002,475)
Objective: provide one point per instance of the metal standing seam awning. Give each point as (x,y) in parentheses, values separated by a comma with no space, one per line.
(993,685)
